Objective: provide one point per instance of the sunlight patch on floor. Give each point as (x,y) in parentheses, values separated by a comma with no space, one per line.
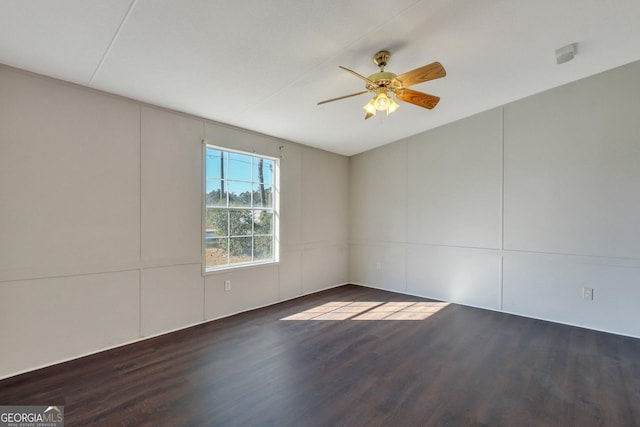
(370,310)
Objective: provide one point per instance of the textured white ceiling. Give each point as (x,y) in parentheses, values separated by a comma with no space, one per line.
(264,64)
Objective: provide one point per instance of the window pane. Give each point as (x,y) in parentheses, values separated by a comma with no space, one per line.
(216,193)
(240,249)
(263,172)
(216,165)
(269,191)
(262,222)
(239,194)
(217,224)
(263,247)
(240,222)
(262,195)
(216,252)
(239,167)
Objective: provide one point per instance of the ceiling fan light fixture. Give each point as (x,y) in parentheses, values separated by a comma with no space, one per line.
(393,106)
(382,101)
(370,108)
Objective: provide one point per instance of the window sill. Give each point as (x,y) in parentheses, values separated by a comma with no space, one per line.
(238,267)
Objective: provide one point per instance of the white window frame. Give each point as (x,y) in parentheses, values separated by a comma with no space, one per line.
(275,209)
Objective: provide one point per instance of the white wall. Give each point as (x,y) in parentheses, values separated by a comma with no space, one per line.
(514,209)
(100,222)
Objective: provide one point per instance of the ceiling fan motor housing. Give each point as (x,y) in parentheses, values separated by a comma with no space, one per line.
(382,79)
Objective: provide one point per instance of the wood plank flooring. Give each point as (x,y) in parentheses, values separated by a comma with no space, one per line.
(356,361)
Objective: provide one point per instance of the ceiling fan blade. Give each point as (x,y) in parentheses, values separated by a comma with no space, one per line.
(420,75)
(343,97)
(360,76)
(417,98)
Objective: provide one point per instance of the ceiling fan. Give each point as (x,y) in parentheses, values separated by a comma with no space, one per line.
(383,82)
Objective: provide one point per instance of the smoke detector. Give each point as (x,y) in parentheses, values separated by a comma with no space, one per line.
(566,53)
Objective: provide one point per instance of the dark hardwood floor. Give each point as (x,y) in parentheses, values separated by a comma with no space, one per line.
(345,366)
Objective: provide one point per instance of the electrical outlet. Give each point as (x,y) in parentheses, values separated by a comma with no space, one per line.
(227,285)
(378,265)
(587,293)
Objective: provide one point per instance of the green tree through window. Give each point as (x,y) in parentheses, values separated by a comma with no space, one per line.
(239,208)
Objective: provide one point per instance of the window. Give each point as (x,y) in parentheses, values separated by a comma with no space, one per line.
(240,209)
